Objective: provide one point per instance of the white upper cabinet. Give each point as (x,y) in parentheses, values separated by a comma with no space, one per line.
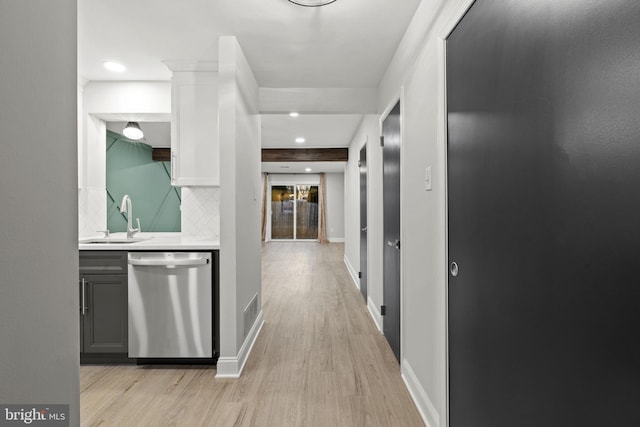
(195,159)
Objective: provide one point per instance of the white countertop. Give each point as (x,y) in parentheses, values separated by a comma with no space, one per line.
(149,241)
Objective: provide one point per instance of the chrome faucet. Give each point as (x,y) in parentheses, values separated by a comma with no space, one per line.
(125,206)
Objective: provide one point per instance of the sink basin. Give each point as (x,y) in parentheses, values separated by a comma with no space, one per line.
(119,240)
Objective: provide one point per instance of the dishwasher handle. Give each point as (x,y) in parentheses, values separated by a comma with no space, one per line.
(169,262)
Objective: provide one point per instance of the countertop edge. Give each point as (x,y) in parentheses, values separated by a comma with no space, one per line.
(132,248)
(153,245)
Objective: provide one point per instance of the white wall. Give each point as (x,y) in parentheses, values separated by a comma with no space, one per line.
(367,134)
(240,203)
(114,101)
(123,101)
(39,329)
(417,70)
(334,192)
(352,204)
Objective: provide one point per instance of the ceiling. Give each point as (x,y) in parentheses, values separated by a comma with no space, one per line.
(301,167)
(318,130)
(346,44)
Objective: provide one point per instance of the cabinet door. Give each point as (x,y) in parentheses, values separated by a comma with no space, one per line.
(105,319)
(194,129)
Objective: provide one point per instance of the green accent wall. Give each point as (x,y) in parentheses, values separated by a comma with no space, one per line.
(130,170)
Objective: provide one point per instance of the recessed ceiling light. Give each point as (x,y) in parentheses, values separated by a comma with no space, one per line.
(114,66)
(300,140)
(294,114)
(307,170)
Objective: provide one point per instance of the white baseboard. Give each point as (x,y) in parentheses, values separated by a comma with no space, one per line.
(352,272)
(427,411)
(336,239)
(375,314)
(231,367)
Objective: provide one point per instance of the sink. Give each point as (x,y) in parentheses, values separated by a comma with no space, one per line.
(118,240)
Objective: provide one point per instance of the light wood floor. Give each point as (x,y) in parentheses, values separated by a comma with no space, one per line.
(319,361)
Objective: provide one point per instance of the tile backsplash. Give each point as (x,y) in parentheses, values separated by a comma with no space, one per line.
(92,211)
(200,212)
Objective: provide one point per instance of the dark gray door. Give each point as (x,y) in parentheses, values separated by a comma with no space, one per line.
(544,214)
(363,222)
(391,203)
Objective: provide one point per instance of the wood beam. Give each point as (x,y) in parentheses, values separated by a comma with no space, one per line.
(161,154)
(305,154)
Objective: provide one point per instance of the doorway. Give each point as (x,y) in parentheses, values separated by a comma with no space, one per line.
(391,212)
(362,165)
(294,212)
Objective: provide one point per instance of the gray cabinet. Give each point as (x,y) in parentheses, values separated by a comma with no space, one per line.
(103,302)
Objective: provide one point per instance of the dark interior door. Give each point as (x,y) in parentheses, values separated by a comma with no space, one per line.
(363,221)
(391,206)
(544,214)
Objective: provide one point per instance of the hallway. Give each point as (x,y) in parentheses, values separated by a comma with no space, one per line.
(319,361)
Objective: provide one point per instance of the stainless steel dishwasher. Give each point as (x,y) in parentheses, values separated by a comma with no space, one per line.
(170,305)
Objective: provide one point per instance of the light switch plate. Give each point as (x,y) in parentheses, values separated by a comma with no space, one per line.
(427,179)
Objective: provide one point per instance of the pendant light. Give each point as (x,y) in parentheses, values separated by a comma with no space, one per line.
(311,3)
(132,131)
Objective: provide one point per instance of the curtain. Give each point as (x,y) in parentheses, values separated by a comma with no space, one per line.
(322,221)
(264,206)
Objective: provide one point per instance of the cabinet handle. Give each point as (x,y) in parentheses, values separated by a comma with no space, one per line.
(84,293)
(168,262)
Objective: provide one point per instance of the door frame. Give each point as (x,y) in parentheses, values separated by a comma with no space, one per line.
(398,97)
(365,147)
(292,180)
(442,141)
